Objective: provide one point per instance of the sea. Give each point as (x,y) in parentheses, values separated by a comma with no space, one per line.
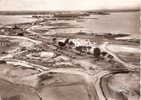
(116,22)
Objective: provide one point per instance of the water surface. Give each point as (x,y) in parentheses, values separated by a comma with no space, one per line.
(119,22)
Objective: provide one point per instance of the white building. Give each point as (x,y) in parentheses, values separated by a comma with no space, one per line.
(83,42)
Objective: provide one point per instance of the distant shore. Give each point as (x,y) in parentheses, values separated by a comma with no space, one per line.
(52,12)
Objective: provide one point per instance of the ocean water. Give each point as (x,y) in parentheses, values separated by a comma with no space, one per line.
(123,22)
(119,22)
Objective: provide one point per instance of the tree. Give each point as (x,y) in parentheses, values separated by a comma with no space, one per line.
(54,39)
(20,34)
(2,62)
(96,52)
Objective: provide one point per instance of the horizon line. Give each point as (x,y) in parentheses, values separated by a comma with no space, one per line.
(7,12)
(106,9)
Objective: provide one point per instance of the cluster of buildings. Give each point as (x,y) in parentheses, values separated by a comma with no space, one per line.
(81,45)
(85,46)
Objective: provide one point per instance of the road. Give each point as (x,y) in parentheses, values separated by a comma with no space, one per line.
(116,58)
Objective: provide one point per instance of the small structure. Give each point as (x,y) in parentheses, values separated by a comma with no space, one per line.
(71,44)
(63,44)
(4,42)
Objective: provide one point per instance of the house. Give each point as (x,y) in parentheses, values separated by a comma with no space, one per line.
(4,42)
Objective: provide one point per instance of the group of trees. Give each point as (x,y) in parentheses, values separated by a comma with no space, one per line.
(98,54)
(2,62)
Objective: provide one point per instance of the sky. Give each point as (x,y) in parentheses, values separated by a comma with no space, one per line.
(19,5)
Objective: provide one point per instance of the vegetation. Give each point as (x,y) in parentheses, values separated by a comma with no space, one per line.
(97,53)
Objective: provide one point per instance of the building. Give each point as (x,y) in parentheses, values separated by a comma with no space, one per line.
(4,42)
